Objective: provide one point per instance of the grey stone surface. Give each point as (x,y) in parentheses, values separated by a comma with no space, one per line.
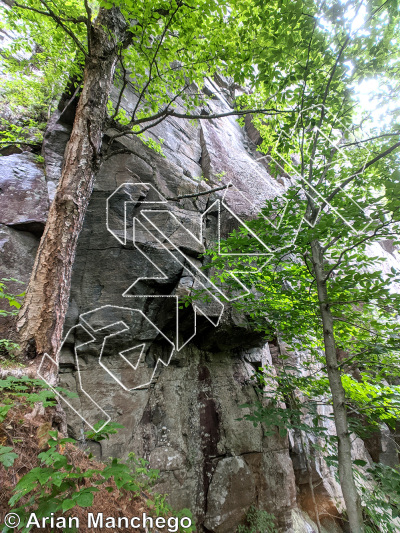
(17,255)
(186,421)
(23,193)
(231,492)
(180,138)
(226,160)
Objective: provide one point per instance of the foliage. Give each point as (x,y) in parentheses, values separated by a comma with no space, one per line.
(37,62)
(9,348)
(305,60)
(13,300)
(376,401)
(58,484)
(30,391)
(284,304)
(382,498)
(284,291)
(25,131)
(151,143)
(258,522)
(308,255)
(282,407)
(7,456)
(315,53)
(8,352)
(100,433)
(54,487)
(160,507)
(172,47)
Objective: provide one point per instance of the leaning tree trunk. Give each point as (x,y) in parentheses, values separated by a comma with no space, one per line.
(346,477)
(41,318)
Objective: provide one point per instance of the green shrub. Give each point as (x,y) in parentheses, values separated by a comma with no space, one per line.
(258,522)
(65,477)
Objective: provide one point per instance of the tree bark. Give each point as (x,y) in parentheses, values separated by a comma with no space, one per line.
(41,318)
(346,477)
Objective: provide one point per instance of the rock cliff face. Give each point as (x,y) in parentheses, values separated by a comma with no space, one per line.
(185,421)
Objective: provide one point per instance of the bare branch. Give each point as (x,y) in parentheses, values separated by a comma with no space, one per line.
(126,151)
(332,74)
(229,113)
(332,154)
(306,72)
(162,117)
(159,117)
(72,97)
(154,59)
(124,84)
(345,362)
(149,126)
(325,96)
(28,143)
(201,193)
(365,239)
(331,243)
(88,25)
(371,139)
(360,170)
(305,256)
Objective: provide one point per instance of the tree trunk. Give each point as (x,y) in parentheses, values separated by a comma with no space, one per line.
(346,477)
(41,318)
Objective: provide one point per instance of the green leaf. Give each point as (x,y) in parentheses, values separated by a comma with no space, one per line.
(359,462)
(3,412)
(68,504)
(85,499)
(7,456)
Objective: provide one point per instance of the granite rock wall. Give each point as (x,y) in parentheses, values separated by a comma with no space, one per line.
(186,421)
